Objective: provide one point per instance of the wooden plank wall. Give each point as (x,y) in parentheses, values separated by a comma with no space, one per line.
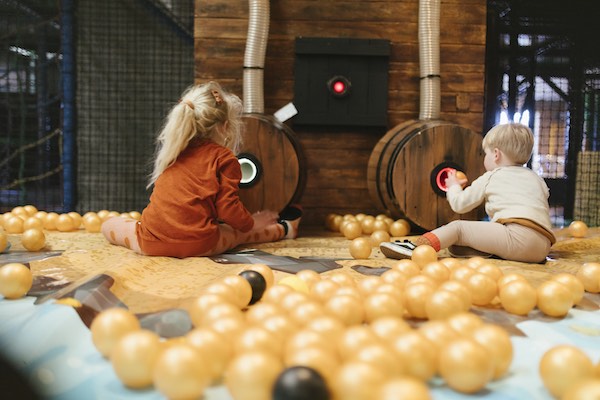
(337,158)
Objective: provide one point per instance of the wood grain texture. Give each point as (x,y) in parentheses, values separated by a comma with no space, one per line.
(220,36)
(282,171)
(436,144)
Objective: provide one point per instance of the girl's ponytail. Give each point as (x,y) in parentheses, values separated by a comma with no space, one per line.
(201,112)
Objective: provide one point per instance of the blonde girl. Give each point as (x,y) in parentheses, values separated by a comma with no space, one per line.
(195,209)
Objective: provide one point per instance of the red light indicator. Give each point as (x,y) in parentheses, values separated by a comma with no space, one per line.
(339,86)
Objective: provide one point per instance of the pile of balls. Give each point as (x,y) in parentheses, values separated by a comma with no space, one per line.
(324,336)
(31,224)
(332,335)
(366,231)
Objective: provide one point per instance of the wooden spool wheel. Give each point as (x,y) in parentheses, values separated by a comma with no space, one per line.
(273,172)
(409,164)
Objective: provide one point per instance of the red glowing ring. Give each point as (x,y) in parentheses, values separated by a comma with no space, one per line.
(441,177)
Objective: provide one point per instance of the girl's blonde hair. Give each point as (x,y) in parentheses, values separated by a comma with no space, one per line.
(514,140)
(203,111)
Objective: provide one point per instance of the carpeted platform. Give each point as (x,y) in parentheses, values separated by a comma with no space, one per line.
(156,284)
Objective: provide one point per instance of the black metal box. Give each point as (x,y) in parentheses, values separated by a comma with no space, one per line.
(341,81)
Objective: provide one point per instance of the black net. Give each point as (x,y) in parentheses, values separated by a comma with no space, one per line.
(30,130)
(84,88)
(134,59)
(587,198)
(543,70)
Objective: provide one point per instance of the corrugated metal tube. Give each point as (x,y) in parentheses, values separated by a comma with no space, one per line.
(254,57)
(429,59)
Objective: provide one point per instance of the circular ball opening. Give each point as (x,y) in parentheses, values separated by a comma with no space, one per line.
(439,175)
(251,170)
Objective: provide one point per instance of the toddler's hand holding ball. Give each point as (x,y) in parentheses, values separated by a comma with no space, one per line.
(456,178)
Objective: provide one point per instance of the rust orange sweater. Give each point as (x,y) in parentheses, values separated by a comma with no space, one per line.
(188,201)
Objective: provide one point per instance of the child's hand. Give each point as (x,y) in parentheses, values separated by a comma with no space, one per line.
(264,218)
(453,179)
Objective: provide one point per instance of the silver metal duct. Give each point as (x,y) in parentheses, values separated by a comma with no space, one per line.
(429,58)
(254,58)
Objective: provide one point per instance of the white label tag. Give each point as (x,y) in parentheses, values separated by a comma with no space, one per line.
(286,112)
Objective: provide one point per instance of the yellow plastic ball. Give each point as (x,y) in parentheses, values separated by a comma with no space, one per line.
(50,221)
(252,375)
(573,283)
(33,239)
(77,219)
(3,241)
(30,209)
(497,341)
(400,227)
(20,211)
(518,297)
(111,325)
(14,225)
(465,365)
(368,224)
(103,214)
(242,288)
(112,214)
(15,280)
(424,254)
(564,366)
(351,229)
(380,225)
(578,229)
(180,373)
(379,236)
(134,357)
(92,223)
(554,298)
(333,222)
(40,215)
(64,223)
(6,216)
(360,248)
(33,222)
(295,283)
(589,275)
(585,389)
(404,387)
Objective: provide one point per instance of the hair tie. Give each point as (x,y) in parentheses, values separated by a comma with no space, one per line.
(217,97)
(188,103)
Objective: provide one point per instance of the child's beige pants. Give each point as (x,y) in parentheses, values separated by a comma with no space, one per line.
(511,241)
